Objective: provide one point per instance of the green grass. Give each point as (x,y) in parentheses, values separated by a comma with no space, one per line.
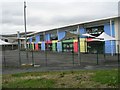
(62,79)
(30,83)
(109,77)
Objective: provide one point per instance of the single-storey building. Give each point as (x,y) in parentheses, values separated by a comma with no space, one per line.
(61,39)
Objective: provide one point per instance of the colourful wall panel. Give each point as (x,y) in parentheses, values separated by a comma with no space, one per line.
(110,46)
(71,40)
(37,38)
(82,45)
(54,41)
(59,46)
(33,46)
(47,37)
(75,46)
(48,42)
(82,31)
(39,42)
(54,46)
(61,35)
(30,39)
(43,46)
(36,47)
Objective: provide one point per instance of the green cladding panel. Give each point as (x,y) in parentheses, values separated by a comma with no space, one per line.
(54,46)
(31,47)
(71,40)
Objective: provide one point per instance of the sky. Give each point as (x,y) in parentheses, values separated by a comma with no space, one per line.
(48,14)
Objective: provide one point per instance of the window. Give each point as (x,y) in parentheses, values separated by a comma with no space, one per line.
(67,46)
(41,37)
(74,31)
(6,40)
(53,36)
(28,40)
(33,39)
(95,30)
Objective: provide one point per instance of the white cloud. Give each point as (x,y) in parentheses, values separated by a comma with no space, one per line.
(44,15)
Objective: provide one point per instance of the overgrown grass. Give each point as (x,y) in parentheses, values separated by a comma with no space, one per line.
(63,79)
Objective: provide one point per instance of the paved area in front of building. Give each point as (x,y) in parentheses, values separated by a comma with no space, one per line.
(52,61)
(42,69)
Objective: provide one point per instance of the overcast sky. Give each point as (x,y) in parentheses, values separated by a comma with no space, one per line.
(47,14)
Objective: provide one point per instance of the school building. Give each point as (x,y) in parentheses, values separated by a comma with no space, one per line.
(65,39)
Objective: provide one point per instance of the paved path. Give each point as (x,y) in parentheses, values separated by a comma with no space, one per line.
(42,69)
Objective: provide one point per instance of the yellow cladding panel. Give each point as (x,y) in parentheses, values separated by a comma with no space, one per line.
(83,45)
(54,41)
(75,40)
(32,42)
(33,45)
(39,42)
(81,40)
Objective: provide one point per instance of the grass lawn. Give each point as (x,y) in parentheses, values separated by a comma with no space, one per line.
(63,79)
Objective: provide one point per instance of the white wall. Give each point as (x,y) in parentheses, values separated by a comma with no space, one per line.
(117,32)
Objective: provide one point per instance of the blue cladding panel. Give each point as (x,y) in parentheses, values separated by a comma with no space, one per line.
(107,28)
(37,38)
(43,46)
(61,35)
(47,37)
(113,30)
(59,46)
(108,47)
(82,31)
(30,39)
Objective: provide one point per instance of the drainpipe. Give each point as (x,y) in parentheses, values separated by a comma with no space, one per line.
(111,36)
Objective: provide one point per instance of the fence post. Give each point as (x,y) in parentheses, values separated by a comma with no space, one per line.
(73,57)
(97,56)
(104,54)
(4,55)
(33,59)
(19,58)
(46,57)
(27,54)
(118,54)
(19,52)
(79,55)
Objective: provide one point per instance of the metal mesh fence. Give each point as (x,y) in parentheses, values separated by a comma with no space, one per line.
(16,58)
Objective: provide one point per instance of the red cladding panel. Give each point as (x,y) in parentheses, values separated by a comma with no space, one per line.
(75,46)
(89,39)
(48,42)
(36,47)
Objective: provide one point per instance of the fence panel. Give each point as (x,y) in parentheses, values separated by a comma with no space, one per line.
(39,58)
(57,59)
(10,58)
